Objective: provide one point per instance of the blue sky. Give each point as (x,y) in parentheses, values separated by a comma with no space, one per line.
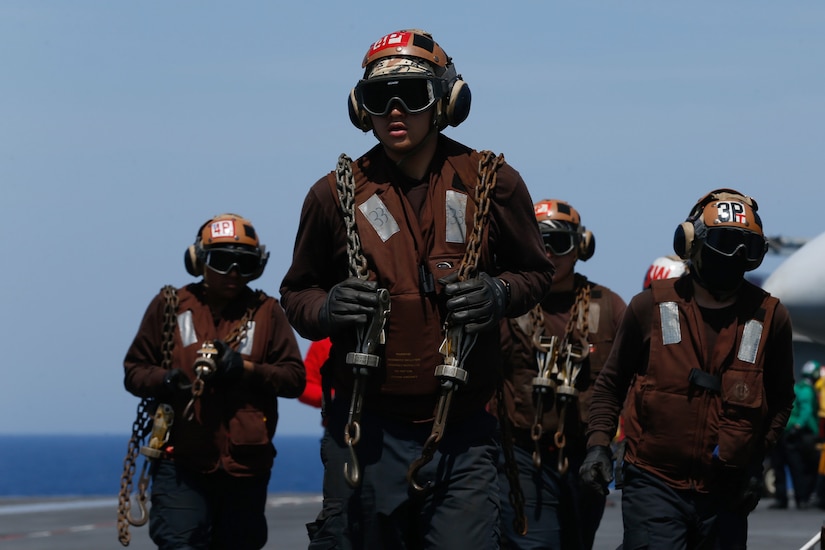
(125,125)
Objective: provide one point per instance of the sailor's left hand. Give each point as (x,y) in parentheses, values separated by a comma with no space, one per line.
(229,363)
(477,303)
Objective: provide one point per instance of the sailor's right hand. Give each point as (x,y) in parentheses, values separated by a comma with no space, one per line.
(348,303)
(596,472)
(175,382)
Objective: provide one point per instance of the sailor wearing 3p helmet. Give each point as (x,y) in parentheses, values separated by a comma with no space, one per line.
(702,373)
(407,258)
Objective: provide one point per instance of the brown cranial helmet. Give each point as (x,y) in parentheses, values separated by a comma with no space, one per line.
(727,222)
(558,218)
(226,231)
(410,68)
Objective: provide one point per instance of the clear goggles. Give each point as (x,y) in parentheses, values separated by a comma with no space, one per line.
(224,260)
(559,243)
(728,241)
(414,95)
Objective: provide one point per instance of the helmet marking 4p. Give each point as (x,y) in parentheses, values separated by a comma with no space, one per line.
(226,231)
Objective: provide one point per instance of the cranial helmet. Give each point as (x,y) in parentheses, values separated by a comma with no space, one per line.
(225,231)
(665,267)
(556,216)
(810,369)
(411,63)
(725,221)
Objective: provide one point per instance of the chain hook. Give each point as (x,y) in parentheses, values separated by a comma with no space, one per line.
(143,485)
(421,461)
(352,472)
(363,361)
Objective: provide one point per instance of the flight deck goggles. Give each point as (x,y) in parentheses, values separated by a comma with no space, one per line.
(728,241)
(224,260)
(414,95)
(559,242)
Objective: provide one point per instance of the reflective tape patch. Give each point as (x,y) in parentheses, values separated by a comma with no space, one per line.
(379,217)
(456,209)
(750,341)
(248,340)
(187,329)
(671,330)
(594,317)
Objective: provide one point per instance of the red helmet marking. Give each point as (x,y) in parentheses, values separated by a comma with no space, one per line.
(392,40)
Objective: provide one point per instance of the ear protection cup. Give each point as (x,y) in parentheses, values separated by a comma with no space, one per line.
(193,256)
(683,239)
(587,245)
(358,116)
(192,261)
(457,105)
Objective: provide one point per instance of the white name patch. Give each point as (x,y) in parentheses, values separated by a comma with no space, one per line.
(379,217)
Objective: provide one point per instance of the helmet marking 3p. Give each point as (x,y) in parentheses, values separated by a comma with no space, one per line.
(728,210)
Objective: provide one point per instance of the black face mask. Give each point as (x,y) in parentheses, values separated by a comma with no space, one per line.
(720,275)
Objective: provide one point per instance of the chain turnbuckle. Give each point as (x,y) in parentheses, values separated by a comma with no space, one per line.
(573,355)
(161,429)
(455,348)
(363,362)
(544,386)
(204,367)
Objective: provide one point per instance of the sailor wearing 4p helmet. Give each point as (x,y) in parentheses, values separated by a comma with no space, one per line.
(219,354)
(702,373)
(407,258)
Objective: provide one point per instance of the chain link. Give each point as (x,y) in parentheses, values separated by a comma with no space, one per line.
(579,317)
(516,494)
(488,167)
(488,173)
(345,184)
(580,312)
(142,426)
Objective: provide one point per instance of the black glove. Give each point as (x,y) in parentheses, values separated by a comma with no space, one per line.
(596,471)
(348,303)
(477,303)
(742,488)
(749,495)
(228,363)
(174,382)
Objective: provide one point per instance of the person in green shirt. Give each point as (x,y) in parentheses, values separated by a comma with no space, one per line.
(797,446)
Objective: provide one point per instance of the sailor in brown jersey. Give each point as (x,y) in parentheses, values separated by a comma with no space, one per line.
(210,479)
(407,258)
(578,319)
(702,372)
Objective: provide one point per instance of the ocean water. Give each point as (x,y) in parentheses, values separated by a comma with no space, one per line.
(73,465)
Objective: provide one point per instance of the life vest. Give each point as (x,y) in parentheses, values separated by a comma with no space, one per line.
(692,411)
(409,252)
(522,367)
